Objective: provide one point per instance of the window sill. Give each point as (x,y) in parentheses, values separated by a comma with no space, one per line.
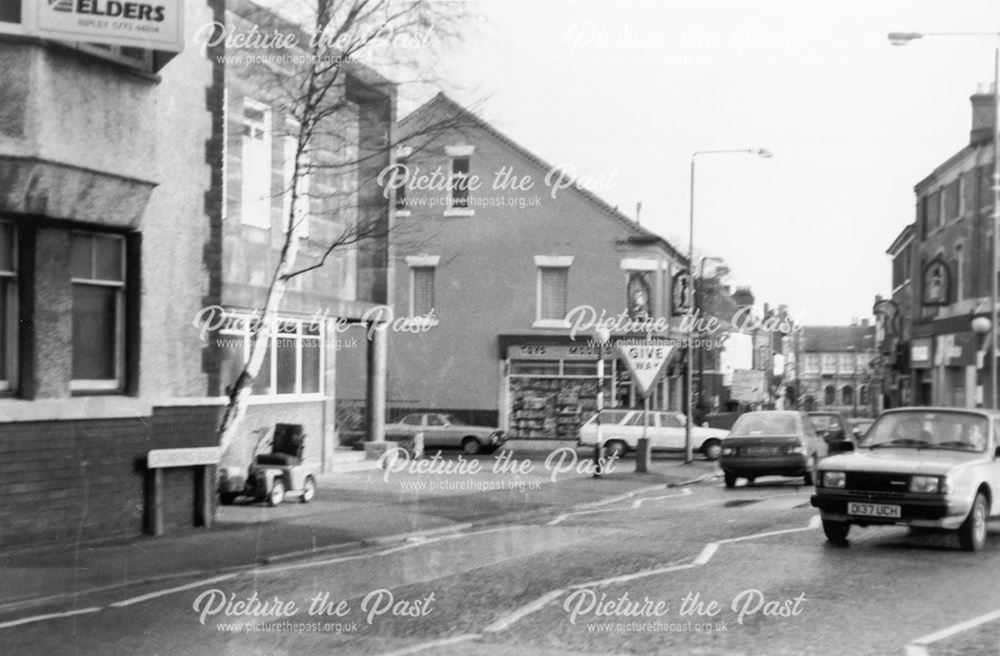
(457,212)
(550,323)
(274,399)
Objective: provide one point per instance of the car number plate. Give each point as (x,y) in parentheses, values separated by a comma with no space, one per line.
(873,510)
(760,450)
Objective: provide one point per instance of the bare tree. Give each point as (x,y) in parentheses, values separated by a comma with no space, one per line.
(311,83)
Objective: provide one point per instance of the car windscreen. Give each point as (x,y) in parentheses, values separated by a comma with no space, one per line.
(958,431)
(760,423)
(609,417)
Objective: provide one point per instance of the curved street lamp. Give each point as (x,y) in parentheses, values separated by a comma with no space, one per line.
(689,377)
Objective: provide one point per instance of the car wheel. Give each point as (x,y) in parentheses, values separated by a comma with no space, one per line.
(227,498)
(712,449)
(471,446)
(277,494)
(972,532)
(836,531)
(615,449)
(730,480)
(308,490)
(751,479)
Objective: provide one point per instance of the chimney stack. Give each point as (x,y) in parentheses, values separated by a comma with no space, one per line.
(983,114)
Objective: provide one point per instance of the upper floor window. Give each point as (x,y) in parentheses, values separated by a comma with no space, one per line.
(399,179)
(959,272)
(934,219)
(423,269)
(812,363)
(298,180)
(459,180)
(847,363)
(552,290)
(256,165)
(8,306)
(951,200)
(10,12)
(97,269)
(829,363)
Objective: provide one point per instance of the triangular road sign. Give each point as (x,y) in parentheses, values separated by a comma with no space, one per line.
(645,361)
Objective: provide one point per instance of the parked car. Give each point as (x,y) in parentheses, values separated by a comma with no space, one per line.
(859,427)
(445,431)
(621,430)
(772,443)
(920,467)
(831,425)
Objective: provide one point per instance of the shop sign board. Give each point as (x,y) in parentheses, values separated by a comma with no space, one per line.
(151,24)
(645,362)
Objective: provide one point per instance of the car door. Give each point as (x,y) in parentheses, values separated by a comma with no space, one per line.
(634,425)
(436,432)
(816,444)
(672,432)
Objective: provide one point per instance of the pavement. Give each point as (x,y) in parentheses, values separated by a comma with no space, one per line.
(351,511)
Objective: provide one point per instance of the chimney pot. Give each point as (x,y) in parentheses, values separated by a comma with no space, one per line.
(983,114)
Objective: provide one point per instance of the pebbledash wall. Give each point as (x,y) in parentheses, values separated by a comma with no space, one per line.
(110,242)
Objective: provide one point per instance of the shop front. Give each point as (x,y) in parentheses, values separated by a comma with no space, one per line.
(550,386)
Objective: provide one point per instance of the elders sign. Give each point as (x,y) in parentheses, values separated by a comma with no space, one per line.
(149,24)
(645,362)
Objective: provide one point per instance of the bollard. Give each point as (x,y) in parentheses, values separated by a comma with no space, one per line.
(598,455)
(643,453)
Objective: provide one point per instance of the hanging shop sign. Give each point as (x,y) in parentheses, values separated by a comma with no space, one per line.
(149,24)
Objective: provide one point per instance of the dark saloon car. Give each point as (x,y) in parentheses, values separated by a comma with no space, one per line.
(771,443)
(933,468)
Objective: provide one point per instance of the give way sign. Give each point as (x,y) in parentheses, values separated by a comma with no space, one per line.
(645,362)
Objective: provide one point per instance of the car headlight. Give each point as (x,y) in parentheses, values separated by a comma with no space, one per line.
(927,484)
(796,449)
(834,479)
(728,451)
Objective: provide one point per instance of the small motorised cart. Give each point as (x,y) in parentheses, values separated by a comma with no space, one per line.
(272,476)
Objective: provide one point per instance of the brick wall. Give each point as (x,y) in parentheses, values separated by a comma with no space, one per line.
(65,481)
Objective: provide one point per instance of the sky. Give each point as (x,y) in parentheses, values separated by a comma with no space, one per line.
(625,92)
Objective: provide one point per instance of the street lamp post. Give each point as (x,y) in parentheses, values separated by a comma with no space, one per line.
(903,38)
(602,335)
(688,378)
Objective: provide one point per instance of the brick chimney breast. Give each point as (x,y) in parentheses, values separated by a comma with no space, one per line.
(983,114)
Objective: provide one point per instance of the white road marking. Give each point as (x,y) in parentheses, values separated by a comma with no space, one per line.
(428,645)
(511,618)
(635,504)
(707,553)
(163,593)
(49,616)
(918,647)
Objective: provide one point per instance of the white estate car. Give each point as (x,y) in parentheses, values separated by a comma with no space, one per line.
(621,430)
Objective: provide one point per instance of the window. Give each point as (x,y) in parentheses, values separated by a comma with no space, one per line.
(434,420)
(97,266)
(829,363)
(933,211)
(10,12)
(552,290)
(412,420)
(421,290)
(829,395)
(847,394)
(959,272)
(301,221)
(8,306)
(847,363)
(460,182)
(256,173)
(863,394)
(812,363)
(399,179)
(293,364)
(950,201)
(422,273)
